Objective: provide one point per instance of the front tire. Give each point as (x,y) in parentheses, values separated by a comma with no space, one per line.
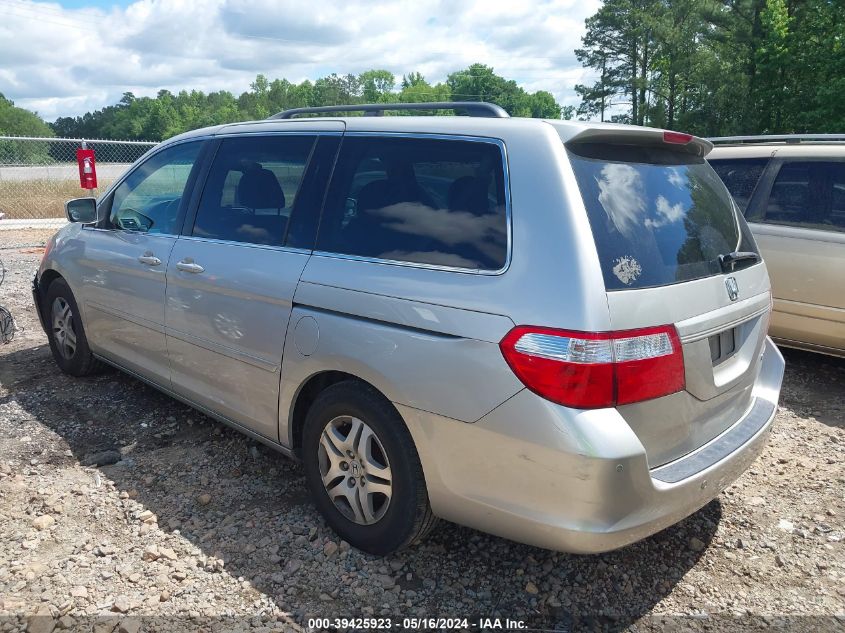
(363,470)
(66,333)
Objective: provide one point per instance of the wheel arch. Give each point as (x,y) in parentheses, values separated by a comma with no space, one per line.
(48,277)
(307,394)
(39,293)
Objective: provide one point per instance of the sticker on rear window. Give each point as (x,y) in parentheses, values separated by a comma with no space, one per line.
(627,269)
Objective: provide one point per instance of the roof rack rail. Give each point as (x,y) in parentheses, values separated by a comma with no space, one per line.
(472,108)
(778,138)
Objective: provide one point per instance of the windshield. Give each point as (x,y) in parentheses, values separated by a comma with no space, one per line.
(658,217)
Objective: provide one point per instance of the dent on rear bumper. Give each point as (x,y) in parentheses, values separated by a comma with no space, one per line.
(563,479)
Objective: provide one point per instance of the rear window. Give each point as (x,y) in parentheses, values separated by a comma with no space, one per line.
(658,217)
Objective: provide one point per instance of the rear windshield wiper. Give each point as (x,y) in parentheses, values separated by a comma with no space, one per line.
(730,260)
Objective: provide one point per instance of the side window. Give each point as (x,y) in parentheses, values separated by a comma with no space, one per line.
(251,189)
(805,194)
(836,219)
(740,176)
(428,201)
(149,200)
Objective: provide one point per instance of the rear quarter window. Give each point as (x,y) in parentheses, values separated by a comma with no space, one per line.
(658,216)
(437,202)
(740,176)
(807,194)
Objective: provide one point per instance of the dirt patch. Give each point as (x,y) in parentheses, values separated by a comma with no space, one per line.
(193,526)
(28,241)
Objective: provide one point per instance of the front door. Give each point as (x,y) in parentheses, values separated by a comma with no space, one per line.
(123,263)
(232,276)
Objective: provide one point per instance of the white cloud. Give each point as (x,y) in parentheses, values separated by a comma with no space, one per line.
(668,213)
(64,62)
(622,195)
(676,178)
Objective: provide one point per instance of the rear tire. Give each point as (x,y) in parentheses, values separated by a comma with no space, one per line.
(363,470)
(66,332)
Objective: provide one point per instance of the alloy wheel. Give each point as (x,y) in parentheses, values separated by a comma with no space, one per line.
(355,469)
(64,331)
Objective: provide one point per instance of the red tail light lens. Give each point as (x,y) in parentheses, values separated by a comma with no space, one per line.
(590,370)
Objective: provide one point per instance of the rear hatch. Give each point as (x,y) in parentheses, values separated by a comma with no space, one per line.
(663,224)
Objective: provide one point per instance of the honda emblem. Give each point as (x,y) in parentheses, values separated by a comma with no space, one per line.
(733,288)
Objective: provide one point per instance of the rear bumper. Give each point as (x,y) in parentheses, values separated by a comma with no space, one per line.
(578,481)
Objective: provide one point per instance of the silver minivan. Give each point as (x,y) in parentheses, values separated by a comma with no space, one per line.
(552,331)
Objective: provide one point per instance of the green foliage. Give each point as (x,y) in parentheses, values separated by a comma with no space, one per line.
(620,44)
(415,89)
(480,83)
(145,118)
(717,67)
(16,121)
(377,86)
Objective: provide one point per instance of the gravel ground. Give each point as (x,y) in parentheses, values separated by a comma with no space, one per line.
(193,526)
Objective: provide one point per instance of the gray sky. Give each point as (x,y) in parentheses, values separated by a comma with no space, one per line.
(65,60)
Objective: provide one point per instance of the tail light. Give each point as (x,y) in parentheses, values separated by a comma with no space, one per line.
(590,370)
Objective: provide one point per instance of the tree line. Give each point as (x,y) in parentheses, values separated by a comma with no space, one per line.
(717,67)
(167,114)
(710,67)
(16,121)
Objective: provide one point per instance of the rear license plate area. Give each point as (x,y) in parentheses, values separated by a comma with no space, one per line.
(722,346)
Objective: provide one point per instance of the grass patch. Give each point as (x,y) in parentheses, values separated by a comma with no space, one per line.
(43,198)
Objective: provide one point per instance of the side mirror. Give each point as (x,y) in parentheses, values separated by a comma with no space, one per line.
(83,210)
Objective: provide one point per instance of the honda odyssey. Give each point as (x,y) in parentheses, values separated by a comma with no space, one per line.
(552,331)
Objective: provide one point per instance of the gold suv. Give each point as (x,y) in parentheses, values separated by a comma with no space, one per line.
(792,192)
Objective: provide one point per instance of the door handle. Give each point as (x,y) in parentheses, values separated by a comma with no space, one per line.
(187,265)
(149,259)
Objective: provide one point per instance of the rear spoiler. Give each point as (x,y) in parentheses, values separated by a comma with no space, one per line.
(630,135)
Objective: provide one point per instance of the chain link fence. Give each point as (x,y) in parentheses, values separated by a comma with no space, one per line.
(38,175)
